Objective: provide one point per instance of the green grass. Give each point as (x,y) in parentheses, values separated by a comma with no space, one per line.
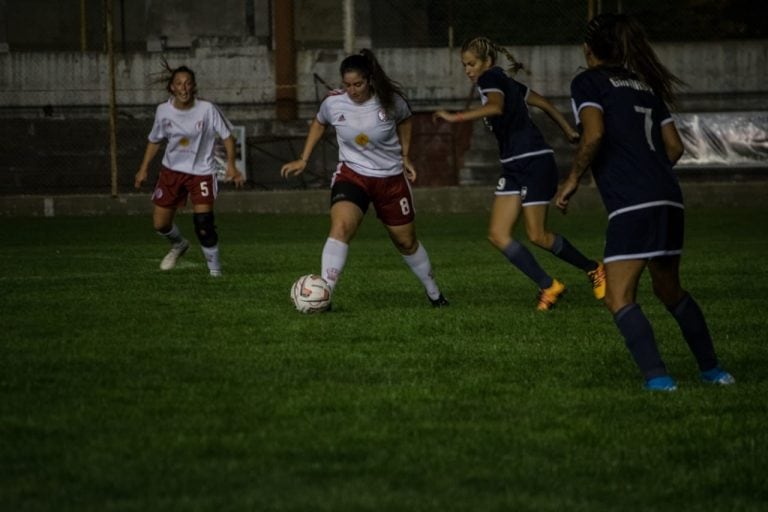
(123,388)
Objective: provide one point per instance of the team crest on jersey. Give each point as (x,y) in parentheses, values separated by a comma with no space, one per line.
(383,115)
(523,192)
(362,139)
(500,185)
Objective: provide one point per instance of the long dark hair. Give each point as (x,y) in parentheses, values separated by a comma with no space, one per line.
(384,87)
(620,40)
(483,48)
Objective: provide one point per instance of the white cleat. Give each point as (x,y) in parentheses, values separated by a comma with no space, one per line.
(176,252)
(216,273)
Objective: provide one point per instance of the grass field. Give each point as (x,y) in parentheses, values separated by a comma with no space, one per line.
(123,388)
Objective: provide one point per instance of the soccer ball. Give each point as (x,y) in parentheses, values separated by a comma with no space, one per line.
(311,294)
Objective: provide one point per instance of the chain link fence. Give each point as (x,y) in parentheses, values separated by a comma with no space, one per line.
(65,148)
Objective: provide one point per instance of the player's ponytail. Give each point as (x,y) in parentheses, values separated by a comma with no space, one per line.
(484,48)
(620,40)
(383,86)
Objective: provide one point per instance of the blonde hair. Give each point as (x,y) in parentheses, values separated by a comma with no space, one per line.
(484,48)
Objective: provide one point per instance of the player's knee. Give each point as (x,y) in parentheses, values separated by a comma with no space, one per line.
(163,228)
(406,245)
(205,229)
(540,239)
(499,240)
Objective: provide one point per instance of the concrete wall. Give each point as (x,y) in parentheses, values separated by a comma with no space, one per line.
(429,201)
(720,76)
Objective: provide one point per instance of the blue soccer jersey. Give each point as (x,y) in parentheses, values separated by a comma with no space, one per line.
(515,132)
(631,168)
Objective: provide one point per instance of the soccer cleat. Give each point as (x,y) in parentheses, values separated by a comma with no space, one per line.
(439,302)
(548,296)
(176,252)
(717,376)
(597,278)
(215,273)
(663,383)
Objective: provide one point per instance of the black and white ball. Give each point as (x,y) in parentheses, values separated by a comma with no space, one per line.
(311,294)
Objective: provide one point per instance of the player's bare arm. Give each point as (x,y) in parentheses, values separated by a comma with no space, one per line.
(404,130)
(537,100)
(316,130)
(149,155)
(672,142)
(233,174)
(592,120)
(494,107)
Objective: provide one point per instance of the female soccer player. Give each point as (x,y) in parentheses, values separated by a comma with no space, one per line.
(189,125)
(630,141)
(529,177)
(373,130)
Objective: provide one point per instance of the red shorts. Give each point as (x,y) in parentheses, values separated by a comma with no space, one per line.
(173,187)
(391,196)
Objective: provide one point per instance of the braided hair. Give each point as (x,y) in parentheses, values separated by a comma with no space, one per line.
(620,40)
(368,67)
(485,48)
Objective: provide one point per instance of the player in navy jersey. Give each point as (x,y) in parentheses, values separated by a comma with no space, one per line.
(529,174)
(189,127)
(373,129)
(629,139)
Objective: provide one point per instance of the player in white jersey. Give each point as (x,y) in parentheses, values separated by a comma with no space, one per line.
(373,130)
(189,127)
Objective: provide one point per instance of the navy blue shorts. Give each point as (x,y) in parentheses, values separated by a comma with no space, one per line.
(534,179)
(645,232)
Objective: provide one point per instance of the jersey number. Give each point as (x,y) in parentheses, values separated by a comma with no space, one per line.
(648,123)
(204,189)
(405,207)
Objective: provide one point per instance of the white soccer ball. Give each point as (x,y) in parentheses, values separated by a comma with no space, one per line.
(311,294)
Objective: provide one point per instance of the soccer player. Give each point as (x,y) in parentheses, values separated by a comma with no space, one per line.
(529,176)
(373,129)
(189,126)
(629,139)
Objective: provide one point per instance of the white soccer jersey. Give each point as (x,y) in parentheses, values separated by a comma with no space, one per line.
(366,134)
(190,134)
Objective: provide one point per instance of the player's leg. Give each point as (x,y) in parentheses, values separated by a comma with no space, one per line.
(539,176)
(349,202)
(504,215)
(665,275)
(202,192)
(622,277)
(416,257)
(393,200)
(535,226)
(168,195)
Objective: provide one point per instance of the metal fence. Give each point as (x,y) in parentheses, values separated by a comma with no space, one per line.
(64,148)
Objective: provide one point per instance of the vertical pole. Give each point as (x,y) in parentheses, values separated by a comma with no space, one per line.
(83,38)
(285,61)
(112,106)
(590,9)
(349,26)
